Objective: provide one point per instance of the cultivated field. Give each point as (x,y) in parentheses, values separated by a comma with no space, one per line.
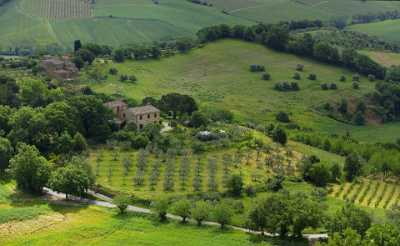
(29,23)
(385,58)
(219,75)
(388,30)
(57,9)
(148,175)
(369,193)
(280,10)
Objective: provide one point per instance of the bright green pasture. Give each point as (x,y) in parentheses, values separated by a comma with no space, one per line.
(388,30)
(218,75)
(82,225)
(281,10)
(113,22)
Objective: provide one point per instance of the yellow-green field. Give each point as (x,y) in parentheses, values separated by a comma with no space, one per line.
(385,58)
(369,193)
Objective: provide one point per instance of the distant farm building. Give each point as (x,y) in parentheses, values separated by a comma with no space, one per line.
(62,69)
(140,116)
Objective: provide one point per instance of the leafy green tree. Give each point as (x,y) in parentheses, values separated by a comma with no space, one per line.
(235,185)
(279,136)
(178,104)
(182,208)
(198,120)
(160,208)
(319,174)
(9,91)
(200,212)
(222,213)
(6,152)
(336,172)
(383,235)
(86,55)
(122,202)
(352,167)
(79,143)
(393,74)
(349,238)
(71,180)
(350,217)
(30,169)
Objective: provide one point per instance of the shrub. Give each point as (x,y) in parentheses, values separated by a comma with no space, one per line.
(297,76)
(282,117)
(235,185)
(343,78)
(312,76)
(266,76)
(356,85)
(200,212)
(257,68)
(333,86)
(299,67)
(356,78)
(371,77)
(122,202)
(160,207)
(113,71)
(324,86)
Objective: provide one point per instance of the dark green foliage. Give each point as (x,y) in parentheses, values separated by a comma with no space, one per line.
(9,90)
(286,86)
(312,76)
(266,76)
(279,136)
(352,167)
(282,117)
(30,169)
(257,68)
(177,104)
(297,76)
(350,217)
(86,55)
(198,119)
(6,152)
(235,185)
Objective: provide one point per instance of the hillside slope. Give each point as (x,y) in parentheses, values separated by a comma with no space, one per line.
(219,75)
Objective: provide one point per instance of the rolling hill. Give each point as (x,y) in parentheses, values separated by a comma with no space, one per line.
(218,75)
(39,23)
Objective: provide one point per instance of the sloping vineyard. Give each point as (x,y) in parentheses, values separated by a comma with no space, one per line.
(58,9)
(369,193)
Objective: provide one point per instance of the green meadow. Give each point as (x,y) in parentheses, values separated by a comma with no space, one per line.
(218,75)
(38,223)
(388,30)
(281,10)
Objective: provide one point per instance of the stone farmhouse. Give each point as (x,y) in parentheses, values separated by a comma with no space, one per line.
(140,116)
(62,69)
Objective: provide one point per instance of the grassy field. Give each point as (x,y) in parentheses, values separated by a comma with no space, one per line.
(43,22)
(81,225)
(218,75)
(31,23)
(385,58)
(388,30)
(369,193)
(281,10)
